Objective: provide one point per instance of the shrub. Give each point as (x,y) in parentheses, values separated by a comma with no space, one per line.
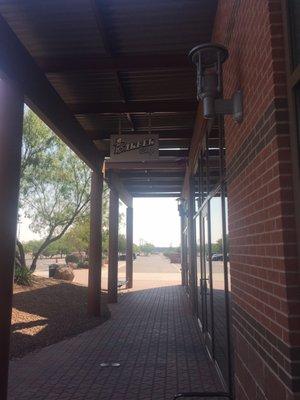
(72,258)
(22,276)
(83,264)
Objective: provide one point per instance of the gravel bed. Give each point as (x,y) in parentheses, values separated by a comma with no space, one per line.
(47,312)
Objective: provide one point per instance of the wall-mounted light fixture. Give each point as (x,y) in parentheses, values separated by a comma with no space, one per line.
(208,59)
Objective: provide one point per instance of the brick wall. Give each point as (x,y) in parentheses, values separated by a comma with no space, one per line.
(263,259)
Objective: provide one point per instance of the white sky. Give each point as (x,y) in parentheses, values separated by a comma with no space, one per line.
(155,220)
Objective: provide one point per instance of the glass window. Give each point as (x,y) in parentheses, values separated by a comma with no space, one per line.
(295,30)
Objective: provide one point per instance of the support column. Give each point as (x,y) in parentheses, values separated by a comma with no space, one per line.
(182,255)
(113,247)
(192,245)
(11,125)
(129,247)
(95,250)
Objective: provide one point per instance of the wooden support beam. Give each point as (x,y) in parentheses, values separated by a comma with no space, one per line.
(113,247)
(136,175)
(17,64)
(96,62)
(109,51)
(182,144)
(136,107)
(11,121)
(192,248)
(175,194)
(116,184)
(160,181)
(163,186)
(129,247)
(174,153)
(147,165)
(167,133)
(183,251)
(95,250)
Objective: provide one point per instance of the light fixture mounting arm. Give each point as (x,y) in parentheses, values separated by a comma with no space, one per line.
(233,106)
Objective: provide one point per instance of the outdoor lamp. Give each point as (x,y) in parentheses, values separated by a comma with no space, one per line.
(208,59)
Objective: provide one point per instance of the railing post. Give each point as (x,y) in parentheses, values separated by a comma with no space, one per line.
(95,250)
(11,123)
(113,247)
(129,247)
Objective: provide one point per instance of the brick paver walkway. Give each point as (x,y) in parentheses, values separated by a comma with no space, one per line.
(153,336)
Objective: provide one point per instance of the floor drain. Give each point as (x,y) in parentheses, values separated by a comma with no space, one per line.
(113,364)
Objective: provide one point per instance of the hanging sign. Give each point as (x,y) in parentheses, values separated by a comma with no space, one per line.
(134,147)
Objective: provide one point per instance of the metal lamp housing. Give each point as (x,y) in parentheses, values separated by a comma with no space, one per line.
(209,58)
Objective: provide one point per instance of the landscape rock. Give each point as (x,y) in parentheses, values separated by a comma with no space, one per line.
(65,273)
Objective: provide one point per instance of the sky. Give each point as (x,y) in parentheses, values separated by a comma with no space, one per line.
(156,220)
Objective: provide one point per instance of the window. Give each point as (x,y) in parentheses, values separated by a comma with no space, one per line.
(213,286)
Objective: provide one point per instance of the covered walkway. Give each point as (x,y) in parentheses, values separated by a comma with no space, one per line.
(152,334)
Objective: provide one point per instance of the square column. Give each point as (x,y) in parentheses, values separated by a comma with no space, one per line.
(192,249)
(95,250)
(11,125)
(113,247)
(183,251)
(129,247)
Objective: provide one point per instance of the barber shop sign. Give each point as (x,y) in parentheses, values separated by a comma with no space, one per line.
(134,147)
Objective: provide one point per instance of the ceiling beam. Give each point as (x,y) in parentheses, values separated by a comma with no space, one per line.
(115,183)
(109,51)
(136,107)
(151,175)
(173,153)
(147,165)
(163,144)
(164,133)
(177,144)
(98,63)
(17,64)
(154,187)
(156,194)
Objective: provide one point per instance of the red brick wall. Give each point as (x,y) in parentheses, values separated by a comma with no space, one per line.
(262,234)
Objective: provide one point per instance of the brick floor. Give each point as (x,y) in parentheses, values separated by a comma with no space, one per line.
(152,334)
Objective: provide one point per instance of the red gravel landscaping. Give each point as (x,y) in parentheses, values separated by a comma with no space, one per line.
(47,312)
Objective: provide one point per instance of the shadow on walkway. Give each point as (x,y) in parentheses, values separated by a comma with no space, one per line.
(153,337)
(50,314)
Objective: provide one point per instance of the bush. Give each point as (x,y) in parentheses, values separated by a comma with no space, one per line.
(22,276)
(72,258)
(83,264)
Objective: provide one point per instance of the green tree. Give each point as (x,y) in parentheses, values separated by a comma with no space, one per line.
(146,247)
(55,184)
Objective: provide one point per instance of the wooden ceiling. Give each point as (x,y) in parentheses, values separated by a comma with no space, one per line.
(88,66)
